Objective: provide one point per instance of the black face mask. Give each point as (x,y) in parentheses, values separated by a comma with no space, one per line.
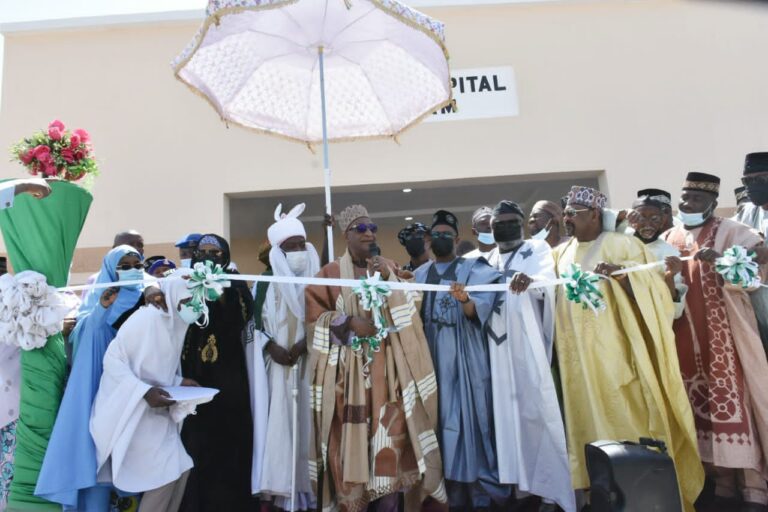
(758,193)
(442,246)
(415,247)
(509,231)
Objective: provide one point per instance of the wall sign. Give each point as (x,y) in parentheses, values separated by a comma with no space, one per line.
(481,93)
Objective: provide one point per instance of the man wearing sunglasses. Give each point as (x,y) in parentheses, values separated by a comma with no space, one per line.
(617,363)
(521,330)
(415,239)
(454,323)
(371,424)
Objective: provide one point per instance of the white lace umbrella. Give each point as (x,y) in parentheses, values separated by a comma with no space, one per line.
(272,65)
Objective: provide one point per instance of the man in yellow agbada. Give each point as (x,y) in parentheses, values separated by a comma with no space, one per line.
(620,375)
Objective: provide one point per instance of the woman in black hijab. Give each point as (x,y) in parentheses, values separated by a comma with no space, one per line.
(219,438)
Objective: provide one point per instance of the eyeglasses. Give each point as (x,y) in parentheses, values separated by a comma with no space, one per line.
(362,228)
(443,234)
(128,266)
(572,212)
(213,253)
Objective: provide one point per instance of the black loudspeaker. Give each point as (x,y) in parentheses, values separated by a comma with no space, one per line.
(632,477)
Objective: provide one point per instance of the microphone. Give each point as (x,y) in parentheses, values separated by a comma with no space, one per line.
(374,250)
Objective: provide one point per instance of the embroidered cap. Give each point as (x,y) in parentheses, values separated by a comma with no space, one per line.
(210,240)
(587,196)
(741,195)
(445,218)
(653,197)
(350,214)
(702,181)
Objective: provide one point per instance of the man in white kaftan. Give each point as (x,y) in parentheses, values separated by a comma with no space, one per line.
(530,438)
(755,215)
(283,341)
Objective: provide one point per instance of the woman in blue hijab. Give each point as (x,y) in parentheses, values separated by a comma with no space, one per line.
(68,474)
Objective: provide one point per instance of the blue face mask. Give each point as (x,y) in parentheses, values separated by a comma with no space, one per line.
(694,219)
(486,238)
(134,274)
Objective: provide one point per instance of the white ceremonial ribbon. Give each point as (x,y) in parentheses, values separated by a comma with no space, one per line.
(354,283)
(646,266)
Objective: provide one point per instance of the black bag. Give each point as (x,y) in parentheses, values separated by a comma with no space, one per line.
(632,477)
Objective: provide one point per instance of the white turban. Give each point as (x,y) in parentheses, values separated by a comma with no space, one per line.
(286,225)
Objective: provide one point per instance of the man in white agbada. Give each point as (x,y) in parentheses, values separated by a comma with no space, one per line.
(530,437)
(134,424)
(283,341)
(755,215)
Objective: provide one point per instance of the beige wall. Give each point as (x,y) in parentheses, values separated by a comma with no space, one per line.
(642,90)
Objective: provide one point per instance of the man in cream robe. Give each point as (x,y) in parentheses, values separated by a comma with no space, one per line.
(647,221)
(134,423)
(530,438)
(619,366)
(283,342)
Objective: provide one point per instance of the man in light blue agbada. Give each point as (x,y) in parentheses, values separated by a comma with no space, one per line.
(454,324)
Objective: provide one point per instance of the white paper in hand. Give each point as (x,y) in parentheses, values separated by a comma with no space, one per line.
(189,393)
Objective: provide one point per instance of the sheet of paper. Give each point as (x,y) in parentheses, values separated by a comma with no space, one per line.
(184,393)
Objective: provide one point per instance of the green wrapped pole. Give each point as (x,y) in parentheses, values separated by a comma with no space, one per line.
(41,235)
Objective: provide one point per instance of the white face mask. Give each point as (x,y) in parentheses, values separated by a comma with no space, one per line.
(186,263)
(541,235)
(134,274)
(188,314)
(297,261)
(693,219)
(486,238)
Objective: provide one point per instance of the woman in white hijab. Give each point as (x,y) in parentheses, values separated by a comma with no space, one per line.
(134,423)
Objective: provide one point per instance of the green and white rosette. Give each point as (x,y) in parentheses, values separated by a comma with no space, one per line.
(738,267)
(581,288)
(206,282)
(372,293)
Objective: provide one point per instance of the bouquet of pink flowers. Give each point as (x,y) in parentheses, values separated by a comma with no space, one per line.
(57,153)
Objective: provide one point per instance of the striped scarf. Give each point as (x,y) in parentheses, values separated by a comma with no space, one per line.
(374,431)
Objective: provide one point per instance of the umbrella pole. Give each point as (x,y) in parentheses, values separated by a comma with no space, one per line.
(326,166)
(294,431)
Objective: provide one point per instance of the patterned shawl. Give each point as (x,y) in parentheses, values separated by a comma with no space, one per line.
(374,427)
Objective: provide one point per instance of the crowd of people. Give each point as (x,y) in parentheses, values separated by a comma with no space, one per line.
(464,400)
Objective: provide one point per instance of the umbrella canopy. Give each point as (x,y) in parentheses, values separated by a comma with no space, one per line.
(258,62)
